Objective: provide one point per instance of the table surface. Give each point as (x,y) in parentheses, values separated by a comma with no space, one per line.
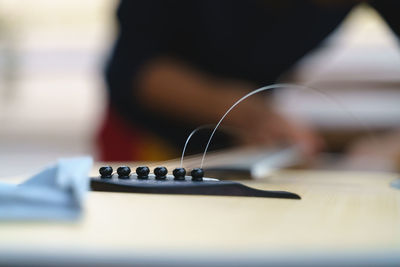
(341,213)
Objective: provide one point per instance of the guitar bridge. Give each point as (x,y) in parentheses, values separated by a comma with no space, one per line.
(162,183)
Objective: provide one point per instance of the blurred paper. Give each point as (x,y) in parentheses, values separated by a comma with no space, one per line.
(251,163)
(56,193)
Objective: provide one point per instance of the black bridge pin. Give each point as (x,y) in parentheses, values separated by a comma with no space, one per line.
(160,173)
(123,172)
(179,174)
(197,174)
(142,172)
(106,172)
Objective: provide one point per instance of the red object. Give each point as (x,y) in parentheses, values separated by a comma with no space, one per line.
(118,140)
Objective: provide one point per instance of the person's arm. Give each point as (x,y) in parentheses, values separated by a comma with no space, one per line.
(144,80)
(176,90)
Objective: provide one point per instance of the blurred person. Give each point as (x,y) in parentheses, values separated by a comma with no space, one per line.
(180,64)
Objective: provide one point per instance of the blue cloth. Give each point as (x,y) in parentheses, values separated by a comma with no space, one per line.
(396,183)
(56,193)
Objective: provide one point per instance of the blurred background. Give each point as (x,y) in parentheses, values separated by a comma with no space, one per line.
(53,97)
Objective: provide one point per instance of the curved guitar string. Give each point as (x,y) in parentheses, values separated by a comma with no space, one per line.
(190,136)
(229,130)
(269,87)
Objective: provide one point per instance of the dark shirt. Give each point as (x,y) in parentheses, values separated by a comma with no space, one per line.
(254,41)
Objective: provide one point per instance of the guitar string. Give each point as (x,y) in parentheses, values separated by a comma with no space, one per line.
(190,136)
(229,130)
(269,87)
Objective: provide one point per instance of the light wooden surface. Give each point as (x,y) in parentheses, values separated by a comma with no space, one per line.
(340,212)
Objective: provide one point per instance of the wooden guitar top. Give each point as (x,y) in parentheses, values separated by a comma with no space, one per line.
(342,217)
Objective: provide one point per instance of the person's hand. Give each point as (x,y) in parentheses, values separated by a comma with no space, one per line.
(259,124)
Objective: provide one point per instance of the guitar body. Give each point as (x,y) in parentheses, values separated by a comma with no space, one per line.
(343,218)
